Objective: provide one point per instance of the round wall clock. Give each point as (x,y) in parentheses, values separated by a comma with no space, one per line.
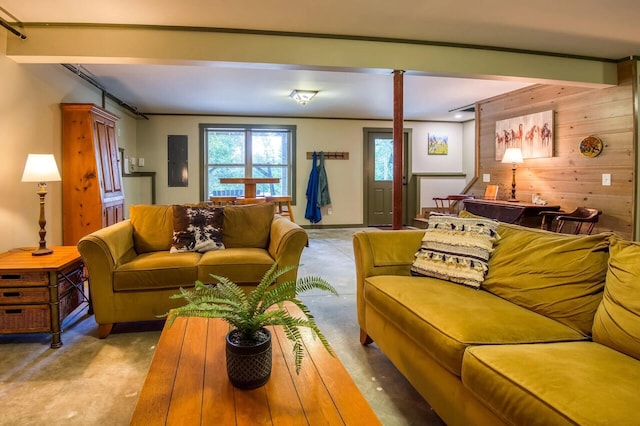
(591,146)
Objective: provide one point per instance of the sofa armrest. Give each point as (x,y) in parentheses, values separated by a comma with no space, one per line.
(286,242)
(380,252)
(102,252)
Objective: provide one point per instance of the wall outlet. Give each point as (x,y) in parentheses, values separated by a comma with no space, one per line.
(329,210)
(606,179)
(486,177)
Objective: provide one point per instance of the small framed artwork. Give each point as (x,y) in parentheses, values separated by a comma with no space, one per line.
(491,192)
(437,144)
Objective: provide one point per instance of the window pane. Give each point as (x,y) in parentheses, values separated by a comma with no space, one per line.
(225,147)
(269,147)
(383,157)
(271,171)
(216,188)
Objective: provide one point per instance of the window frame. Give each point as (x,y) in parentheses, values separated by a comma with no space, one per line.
(248,165)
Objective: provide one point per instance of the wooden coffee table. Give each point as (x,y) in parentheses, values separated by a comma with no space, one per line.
(187,384)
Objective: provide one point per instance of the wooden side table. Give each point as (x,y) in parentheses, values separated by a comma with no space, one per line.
(38,292)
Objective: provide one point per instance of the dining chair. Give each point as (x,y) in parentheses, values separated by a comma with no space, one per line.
(450,204)
(557,220)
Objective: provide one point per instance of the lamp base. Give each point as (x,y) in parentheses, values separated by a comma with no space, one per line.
(41,251)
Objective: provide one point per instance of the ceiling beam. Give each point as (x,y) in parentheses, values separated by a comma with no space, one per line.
(159,45)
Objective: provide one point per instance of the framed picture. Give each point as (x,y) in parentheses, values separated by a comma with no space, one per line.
(532,133)
(437,144)
(491,192)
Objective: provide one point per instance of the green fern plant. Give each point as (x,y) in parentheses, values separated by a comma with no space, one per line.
(248,313)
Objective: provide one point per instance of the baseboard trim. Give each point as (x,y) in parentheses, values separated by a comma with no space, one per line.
(316,226)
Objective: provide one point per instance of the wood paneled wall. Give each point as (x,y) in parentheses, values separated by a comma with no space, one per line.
(569,178)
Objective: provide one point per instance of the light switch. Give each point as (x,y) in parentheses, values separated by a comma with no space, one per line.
(486,177)
(606,179)
(140,162)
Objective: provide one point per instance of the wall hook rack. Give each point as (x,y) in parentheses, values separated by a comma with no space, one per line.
(330,155)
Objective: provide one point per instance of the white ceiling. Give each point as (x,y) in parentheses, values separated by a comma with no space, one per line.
(591,28)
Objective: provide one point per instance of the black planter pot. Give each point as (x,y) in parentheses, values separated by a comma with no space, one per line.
(248,365)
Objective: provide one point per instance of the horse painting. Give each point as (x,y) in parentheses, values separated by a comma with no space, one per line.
(533,133)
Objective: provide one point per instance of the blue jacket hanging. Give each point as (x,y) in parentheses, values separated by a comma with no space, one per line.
(312,212)
(323,184)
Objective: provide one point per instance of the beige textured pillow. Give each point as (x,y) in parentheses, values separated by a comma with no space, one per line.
(152,227)
(456,249)
(247,225)
(617,320)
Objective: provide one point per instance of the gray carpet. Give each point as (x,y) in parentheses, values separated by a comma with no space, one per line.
(89,381)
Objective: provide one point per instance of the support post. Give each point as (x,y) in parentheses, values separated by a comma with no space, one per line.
(398,136)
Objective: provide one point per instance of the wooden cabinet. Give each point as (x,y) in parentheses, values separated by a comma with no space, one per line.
(92,195)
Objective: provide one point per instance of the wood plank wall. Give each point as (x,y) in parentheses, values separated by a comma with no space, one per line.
(569,178)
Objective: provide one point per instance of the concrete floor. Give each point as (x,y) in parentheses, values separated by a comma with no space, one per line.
(89,381)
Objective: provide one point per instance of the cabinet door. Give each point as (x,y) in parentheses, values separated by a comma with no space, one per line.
(112,214)
(107,153)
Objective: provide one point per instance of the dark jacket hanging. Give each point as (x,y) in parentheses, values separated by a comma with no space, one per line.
(313,213)
(323,184)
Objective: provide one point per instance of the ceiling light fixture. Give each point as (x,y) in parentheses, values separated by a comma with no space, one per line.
(303,96)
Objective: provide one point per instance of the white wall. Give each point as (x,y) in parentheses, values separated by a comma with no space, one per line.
(30,122)
(460,160)
(345,176)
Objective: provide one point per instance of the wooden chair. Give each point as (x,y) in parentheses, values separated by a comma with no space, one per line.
(221,201)
(556,221)
(449,204)
(283,205)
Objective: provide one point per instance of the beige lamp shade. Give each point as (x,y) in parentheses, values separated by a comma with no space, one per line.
(513,156)
(40,168)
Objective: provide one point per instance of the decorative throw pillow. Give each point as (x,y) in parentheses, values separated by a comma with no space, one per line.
(197,229)
(456,249)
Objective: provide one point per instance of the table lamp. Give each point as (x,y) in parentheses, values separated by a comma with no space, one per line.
(41,168)
(513,156)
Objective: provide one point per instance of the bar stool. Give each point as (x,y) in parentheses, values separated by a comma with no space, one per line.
(221,201)
(282,201)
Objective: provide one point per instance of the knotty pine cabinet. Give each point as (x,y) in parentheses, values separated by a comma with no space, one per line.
(92,194)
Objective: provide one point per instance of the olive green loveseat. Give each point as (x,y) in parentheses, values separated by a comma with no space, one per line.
(552,337)
(132,272)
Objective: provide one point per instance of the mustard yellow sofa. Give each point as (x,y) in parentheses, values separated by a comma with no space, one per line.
(132,272)
(552,337)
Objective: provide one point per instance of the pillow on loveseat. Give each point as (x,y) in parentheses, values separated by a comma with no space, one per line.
(456,249)
(617,320)
(247,225)
(152,227)
(196,229)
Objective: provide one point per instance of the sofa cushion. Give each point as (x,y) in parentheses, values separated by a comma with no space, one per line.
(456,249)
(247,225)
(157,270)
(445,318)
(152,227)
(557,383)
(240,265)
(557,275)
(196,229)
(617,321)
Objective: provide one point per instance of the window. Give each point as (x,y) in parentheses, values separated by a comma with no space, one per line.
(248,151)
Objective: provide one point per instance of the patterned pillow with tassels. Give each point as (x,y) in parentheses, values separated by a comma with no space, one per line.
(456,249)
